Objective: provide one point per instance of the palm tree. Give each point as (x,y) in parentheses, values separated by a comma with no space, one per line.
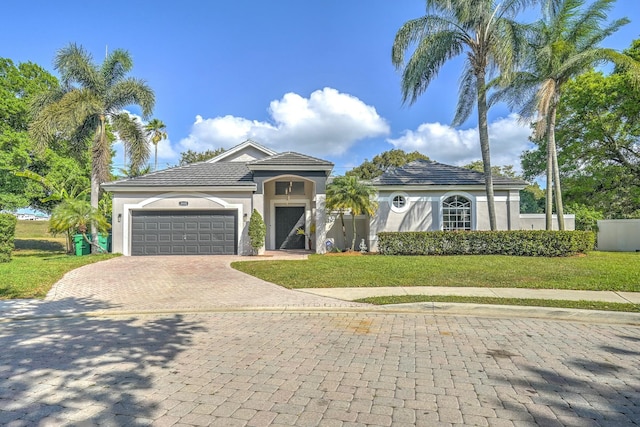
(348,193)
(562,45)
(74,215)
(156,131)
(481,29)
(90,98)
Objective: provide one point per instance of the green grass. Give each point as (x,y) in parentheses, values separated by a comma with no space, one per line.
(38,261)
(530,302)
(612,271)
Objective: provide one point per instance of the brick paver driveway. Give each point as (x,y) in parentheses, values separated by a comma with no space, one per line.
(308,369)
(174,283)
(252,367)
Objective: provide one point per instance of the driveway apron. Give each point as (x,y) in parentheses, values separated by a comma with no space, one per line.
(175,283)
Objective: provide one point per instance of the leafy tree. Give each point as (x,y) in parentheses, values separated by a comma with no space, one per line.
(156,131)
(530,196)
(598,141)
(563,45)
(383,161)
(190,156)
(348,193)
(132,173)
(586,217)
(92,96)
(257,231)
(19,84)
(505,170)
(480,29)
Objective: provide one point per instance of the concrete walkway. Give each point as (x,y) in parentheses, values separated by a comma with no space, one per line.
(352,294)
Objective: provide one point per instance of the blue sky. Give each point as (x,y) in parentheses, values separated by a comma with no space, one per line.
(313,77)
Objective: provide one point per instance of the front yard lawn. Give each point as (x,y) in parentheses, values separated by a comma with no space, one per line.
(599,271)
(38,262)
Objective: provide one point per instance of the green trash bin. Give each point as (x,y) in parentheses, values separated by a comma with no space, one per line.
(104,241)
(81,245)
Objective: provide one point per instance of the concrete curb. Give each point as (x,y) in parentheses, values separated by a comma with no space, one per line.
(437,309)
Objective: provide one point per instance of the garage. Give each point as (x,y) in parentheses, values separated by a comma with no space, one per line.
(184,232)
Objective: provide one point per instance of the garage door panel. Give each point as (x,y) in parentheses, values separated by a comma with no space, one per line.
(183,233)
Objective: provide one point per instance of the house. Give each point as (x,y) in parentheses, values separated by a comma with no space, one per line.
(425,195)
(204,208)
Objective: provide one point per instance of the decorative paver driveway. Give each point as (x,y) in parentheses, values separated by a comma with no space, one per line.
(317,369)
(176,283)
(295,365)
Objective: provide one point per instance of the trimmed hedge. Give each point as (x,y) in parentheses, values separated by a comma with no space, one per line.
(7,235)
(518,243)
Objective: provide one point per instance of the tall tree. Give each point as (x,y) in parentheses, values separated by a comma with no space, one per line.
(92,96)
(598,142)
(190,156)
(486,33)
(383,161)
(156,131)
(529,196)
(563,44)
(19,84)
(348,193)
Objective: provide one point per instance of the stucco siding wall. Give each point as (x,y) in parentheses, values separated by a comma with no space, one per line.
(125,203)
(334,231)
(620,235)
(423,211)
(538,222)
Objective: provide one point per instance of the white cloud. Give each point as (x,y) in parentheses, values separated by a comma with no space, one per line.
(508,138)
(326,123)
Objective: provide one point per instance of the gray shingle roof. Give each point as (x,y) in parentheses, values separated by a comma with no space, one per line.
(427,172)
(290,158)
(195,174)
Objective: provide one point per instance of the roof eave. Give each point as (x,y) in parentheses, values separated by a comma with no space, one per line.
(306,168)
(449,187)
(185,188)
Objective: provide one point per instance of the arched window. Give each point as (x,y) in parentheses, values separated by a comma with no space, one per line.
(456,213)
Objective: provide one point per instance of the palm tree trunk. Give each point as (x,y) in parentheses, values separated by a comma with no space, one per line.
(353,238)
(95,183)
(556,170)
(344,229)
(483,130)
(155,167)
(548,210)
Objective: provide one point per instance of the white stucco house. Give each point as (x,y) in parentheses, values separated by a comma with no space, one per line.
(204,208)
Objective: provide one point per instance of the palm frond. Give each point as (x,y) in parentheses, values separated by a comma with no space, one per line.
(75,65)
(130,92)
(64,117)
(131,130)
(431,54)
(116,66)
(467,95)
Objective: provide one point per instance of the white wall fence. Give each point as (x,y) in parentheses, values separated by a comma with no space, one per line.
(538,222)
(619,235)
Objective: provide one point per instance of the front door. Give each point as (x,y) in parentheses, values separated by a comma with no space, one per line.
(288,220)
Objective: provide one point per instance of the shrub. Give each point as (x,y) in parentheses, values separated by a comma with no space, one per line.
(7,235)
(257,231)
(586,217)
(518,243)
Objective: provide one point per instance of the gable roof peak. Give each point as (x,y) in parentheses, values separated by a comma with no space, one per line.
(248,143)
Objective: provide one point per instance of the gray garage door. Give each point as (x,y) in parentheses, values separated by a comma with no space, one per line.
(184,233)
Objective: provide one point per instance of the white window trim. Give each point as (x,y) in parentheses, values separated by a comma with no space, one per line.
(406,201)
(470,197)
